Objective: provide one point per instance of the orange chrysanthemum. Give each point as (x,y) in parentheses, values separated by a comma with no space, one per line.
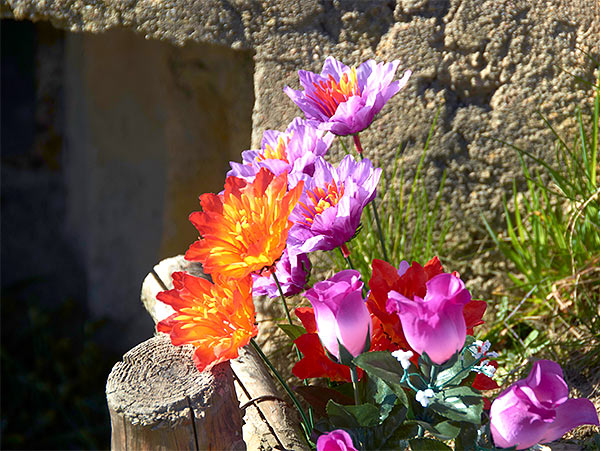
(245,229)
(217,319)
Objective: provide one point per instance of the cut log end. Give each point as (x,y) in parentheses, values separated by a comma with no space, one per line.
(158,400)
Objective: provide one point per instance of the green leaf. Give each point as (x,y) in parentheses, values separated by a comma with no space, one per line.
(459,404)
(340,417)
(392,434)
(292,330)
(366,415)
(425,364)
(382,395)
(382,365)
(456,372)
(318,397)
(404,432)
(444,430)
(427,444)
(345,356)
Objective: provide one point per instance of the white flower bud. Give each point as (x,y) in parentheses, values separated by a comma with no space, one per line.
(403,357)
(423,396)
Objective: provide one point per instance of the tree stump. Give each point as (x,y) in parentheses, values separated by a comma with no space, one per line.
(270,422)
(158,399)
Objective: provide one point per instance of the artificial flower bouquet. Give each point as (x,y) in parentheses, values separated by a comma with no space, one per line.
(401,365)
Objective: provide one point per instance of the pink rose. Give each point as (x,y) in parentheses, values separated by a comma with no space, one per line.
(537,409)
(435,324)
(341,313)
(338,440)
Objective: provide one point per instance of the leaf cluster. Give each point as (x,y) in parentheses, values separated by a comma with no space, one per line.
(391,418)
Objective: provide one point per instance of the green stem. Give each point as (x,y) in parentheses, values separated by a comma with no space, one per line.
(467,369)
(346,254)
(344,145)
(406,379)
(354,376)
(433,372)
(285,306)
(307,426)
(359,150)
(379,230)
(298,354)
(358,145)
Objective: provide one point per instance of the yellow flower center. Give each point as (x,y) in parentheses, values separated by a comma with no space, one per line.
(279,153)
(330,93)
(319,200)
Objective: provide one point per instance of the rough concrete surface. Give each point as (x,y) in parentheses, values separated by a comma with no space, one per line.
(488,65)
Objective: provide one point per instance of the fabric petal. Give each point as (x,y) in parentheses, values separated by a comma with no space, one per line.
(569,415)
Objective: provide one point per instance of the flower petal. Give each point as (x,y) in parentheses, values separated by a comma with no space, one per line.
(571,414)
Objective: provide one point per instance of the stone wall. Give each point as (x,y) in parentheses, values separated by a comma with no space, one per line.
(149,128)
(488,65)
(125,135)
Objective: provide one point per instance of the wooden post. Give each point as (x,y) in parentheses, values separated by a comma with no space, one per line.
(158,400)
(270,422)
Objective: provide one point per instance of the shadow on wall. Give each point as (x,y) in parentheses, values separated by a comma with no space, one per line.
(107,142)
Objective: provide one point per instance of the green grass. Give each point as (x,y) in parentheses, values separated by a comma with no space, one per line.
(552,240)
(414,223)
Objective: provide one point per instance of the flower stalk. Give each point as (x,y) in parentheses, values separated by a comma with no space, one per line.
(354,377)
(357,144)
(346,254)
(282,296)
(359,150)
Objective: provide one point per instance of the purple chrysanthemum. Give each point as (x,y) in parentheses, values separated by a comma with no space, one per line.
(345,100)
(294,150)
(329,210)
(292,273)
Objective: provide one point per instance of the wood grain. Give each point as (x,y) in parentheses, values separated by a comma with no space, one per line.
(157,399)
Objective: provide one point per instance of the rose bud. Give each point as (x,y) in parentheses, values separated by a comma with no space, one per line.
(435,324)
(537,409)
(337,440)
(341,313)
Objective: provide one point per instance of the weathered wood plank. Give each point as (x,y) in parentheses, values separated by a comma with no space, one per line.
(270,422)
(159,279)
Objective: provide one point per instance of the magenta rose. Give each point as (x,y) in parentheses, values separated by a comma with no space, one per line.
(344,100)
(537,409)
(341,313)
(435,324)
(337,440)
